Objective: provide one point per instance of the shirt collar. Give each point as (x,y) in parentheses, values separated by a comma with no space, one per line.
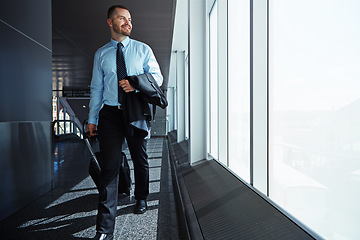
(125,42)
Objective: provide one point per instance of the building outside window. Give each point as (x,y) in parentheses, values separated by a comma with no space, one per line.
(315,113)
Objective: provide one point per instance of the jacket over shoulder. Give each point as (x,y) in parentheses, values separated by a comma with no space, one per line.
(149,89)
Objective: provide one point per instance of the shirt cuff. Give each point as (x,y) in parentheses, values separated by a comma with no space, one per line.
(93,121)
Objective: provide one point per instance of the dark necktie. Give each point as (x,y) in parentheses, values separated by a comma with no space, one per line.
(121,71)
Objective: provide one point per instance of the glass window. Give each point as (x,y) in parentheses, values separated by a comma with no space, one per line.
(213,86)
(186,96)
(239,87)
(315,113)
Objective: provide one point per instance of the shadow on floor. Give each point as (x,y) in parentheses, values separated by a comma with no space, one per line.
(69,210)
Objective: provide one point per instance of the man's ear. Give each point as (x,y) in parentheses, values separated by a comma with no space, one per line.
(109,22)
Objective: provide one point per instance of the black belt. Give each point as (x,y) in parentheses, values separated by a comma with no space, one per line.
(119,107)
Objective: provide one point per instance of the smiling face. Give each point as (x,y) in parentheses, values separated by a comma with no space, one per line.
(120,23)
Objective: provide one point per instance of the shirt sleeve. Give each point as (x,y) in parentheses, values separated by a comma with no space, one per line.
(96,91)
(152,66)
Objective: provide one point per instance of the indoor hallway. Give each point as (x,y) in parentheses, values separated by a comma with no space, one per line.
(68,211)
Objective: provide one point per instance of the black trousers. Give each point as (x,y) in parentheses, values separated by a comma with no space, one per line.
(112,130)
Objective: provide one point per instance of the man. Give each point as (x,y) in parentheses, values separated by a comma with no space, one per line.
(107,116)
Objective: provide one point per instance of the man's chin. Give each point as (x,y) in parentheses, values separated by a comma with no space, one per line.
(126,33)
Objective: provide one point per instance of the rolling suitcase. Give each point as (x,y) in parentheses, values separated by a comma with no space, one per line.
(124,176)
(95,170)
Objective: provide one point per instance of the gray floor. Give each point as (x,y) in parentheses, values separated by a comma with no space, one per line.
(69,210)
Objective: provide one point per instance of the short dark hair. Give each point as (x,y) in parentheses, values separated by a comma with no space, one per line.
(112,9)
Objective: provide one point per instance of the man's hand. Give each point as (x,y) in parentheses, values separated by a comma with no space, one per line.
(126,86)
(91,129)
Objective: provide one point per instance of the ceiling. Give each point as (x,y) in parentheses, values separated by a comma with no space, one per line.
(80,28)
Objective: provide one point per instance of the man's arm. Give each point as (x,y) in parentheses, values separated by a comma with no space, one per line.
(151,66)
(97,88)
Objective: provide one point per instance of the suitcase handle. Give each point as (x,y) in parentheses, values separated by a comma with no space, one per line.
(92,153)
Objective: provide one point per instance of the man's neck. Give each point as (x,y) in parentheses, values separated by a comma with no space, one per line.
(118,37)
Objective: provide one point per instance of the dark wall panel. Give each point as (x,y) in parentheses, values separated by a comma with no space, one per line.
(25,166)
(25,102)
(32,18)
(25,79)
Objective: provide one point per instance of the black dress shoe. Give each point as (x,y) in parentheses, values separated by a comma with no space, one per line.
(126,192)
(103,236)
(140,207)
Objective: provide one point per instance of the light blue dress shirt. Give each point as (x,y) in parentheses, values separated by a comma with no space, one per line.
(139,59)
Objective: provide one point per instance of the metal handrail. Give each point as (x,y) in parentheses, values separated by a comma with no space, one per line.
(77,127)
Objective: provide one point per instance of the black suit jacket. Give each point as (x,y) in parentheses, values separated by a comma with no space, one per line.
(150,90)
(139,105)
